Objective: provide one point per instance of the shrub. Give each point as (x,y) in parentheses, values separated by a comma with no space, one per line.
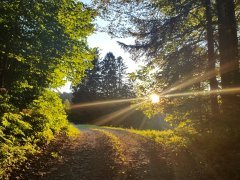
(22,132)
(47,115)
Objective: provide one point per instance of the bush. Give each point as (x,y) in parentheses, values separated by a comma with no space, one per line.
(47,115)
(22,132)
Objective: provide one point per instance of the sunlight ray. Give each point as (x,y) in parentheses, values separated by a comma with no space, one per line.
(99,103)
(111,116)
(204,93)
(142,122)
(124,116)
(208,75)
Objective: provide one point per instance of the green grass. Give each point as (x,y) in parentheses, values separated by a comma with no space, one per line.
(167,138)
(86,126)
(115,143)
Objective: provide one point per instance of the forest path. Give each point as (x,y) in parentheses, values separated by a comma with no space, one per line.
(144,159)
(104,154)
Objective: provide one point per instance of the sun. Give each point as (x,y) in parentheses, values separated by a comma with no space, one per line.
(154,98)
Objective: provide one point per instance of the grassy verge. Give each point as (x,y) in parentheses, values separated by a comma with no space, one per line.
(86,126)
(167,138)
(115,144)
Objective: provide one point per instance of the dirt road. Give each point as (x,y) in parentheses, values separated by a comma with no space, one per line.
(104,154)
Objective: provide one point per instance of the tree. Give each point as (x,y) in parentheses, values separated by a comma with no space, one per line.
(228,49)
(42,45)
(57,28)
(184,44)
(164,31)
(114,82)
(89,89)
(211,55)
(171,35)
(105,81)
(109,78)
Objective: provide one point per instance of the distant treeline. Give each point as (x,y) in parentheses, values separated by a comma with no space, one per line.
(107,80)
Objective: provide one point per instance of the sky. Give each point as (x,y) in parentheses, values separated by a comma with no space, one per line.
(107,44)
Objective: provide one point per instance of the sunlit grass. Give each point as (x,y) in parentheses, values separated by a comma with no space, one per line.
(115,143)
(168,139)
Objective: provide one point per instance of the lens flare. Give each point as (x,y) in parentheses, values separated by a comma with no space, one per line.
(154,98)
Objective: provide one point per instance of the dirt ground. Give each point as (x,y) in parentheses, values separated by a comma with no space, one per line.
(91,156)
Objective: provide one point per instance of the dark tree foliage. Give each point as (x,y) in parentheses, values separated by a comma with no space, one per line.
(89,88)
(114,81)
(107,80)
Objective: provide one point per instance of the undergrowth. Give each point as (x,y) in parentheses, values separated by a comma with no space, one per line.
(24,131)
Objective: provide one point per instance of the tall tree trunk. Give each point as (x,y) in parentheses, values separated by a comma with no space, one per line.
(228,48)
(211,56)
(3,64)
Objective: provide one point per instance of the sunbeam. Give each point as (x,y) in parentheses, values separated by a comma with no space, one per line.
(208,75)
(98,103)
(142,122)
(119,120)
(116,114)
(204,93)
